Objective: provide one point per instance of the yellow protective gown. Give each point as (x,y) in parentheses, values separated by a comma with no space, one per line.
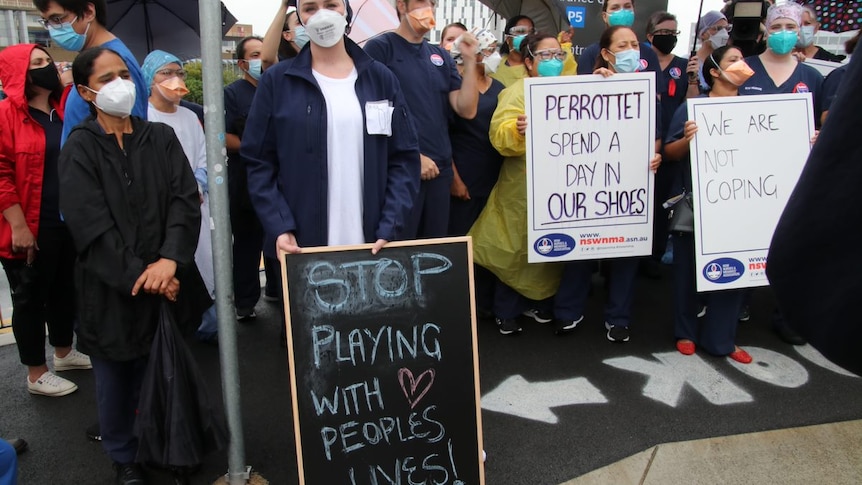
(509,75)
(500,232)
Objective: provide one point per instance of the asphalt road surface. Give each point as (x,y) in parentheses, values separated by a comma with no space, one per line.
(553,407)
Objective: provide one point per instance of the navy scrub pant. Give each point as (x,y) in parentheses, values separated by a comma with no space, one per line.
(247,245)
(118,387)
(716,333)
(571,298)
(43,292)
(430,214)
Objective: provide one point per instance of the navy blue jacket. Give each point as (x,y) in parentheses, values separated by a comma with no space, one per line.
(284,146)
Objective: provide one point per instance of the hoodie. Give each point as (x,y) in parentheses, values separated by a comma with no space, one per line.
(22,146)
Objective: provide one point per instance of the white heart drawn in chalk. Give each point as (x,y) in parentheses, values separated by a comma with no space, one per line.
(411,386)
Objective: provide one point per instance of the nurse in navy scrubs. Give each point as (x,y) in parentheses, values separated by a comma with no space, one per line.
(777,71)
(724,70)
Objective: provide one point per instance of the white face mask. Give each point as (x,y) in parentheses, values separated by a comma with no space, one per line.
(117,98)
(492,62)
(326,27)
(719,39)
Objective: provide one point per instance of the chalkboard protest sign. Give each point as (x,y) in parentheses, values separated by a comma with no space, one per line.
(589,187)
(383,363)
(746,157)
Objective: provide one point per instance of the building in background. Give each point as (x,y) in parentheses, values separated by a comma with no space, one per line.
(18,24)
(471,13)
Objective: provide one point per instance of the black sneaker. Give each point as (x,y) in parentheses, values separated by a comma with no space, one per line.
(617,333)
(129,474)
(565,326)
(508,326)
(94,432)
(538,315)
(744,314)
(245,314)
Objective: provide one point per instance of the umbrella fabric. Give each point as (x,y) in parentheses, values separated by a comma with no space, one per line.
(836,16)
(815,258)
(178,422)
(169,25)
(371,18)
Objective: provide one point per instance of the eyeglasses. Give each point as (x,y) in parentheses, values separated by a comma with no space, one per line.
(180,73)
(666,32)
(547,54)
(55,21)
(521,30)
(718,28)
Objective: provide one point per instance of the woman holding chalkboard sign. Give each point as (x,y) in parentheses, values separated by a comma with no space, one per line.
(724,71)
(330,148)
(619,54)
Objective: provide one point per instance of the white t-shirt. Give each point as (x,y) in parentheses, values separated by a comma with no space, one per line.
(345,159)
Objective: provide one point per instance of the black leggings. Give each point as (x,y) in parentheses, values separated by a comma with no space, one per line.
(43,293)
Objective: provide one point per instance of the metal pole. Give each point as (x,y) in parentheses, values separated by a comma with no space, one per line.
(211,37)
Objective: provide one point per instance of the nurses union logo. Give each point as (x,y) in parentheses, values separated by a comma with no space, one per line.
(643,64)
(801,88)
(544,245)
(713,271)
(723,270)
(675,72)
(436,60)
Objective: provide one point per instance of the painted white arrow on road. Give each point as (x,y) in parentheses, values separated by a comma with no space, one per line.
(534,400)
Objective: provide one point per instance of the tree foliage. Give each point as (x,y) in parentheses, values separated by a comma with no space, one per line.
(195,83)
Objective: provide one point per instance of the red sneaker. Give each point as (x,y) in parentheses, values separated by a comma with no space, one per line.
(740,356)
(685,347)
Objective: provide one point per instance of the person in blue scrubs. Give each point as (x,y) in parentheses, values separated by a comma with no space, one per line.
(476,163)
(716,331)
(78,25)
(620,12)
(662,32)
(835,79)
(619,52)
(777,71)
(433,90)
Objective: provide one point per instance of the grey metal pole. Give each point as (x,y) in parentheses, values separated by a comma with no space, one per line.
(211,37)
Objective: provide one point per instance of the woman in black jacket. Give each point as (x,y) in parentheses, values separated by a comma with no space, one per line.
(130,201)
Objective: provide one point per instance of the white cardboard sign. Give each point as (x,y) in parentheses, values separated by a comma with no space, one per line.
(589,187)
(746,157)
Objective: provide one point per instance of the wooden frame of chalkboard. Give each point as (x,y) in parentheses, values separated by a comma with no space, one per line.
(384,368)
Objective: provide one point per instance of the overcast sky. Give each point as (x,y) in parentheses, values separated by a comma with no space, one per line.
(259,13)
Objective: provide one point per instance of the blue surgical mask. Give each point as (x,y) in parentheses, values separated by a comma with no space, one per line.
(516,42)
(550,68)
(806,36)
(627,61)
(66,37)
(782,42)
(301,38)
(254,68)
(621,17)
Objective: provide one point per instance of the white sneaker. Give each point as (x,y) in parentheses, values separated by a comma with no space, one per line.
(50,384)
(72,360)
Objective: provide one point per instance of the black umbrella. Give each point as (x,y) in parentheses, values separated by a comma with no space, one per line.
(178,422)
(837,16)
(169,25)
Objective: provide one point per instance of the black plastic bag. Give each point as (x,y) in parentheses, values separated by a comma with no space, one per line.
(178,421)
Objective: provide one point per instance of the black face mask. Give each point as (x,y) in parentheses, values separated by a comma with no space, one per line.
(45,77)
(664,43)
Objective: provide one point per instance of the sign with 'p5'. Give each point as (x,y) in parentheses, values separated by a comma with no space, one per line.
(589,187)
(746,157)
